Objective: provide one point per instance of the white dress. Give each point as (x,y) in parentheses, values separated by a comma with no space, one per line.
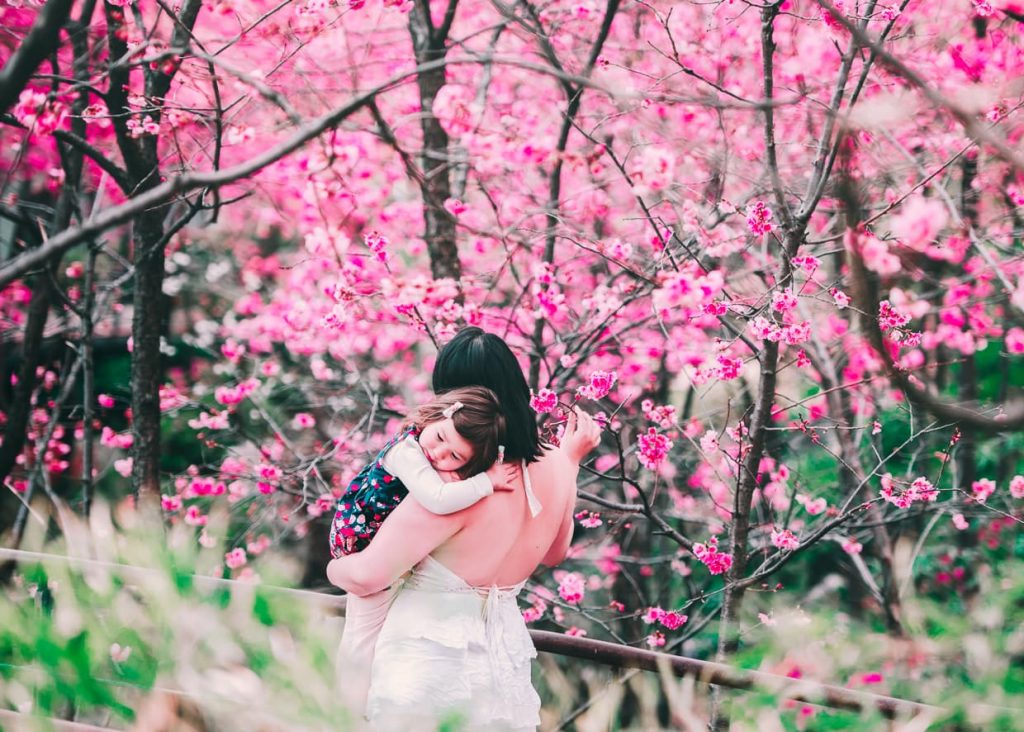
(451,651)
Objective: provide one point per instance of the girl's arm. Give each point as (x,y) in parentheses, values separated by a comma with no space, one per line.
(407,462)
(409,534)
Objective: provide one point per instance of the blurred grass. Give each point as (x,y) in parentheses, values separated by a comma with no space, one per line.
(249,657)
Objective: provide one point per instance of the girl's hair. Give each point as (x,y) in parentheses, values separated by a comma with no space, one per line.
(480,421)
(476,358)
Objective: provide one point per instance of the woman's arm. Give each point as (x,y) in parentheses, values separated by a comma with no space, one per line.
(560,546)
(409,534)
(581,436)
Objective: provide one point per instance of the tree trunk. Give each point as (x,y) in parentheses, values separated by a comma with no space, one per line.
(435,185)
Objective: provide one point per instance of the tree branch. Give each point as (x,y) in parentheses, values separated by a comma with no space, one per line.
(866,299)
(967,118)
(160,194)
(41,41)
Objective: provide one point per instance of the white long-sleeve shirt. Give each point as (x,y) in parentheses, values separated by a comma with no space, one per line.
(406,461)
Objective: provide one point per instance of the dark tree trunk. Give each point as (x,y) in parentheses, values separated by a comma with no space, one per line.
(143,167)
(21,404)
(146,373)
(429,44)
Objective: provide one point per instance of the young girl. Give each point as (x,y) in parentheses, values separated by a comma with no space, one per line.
(459,432)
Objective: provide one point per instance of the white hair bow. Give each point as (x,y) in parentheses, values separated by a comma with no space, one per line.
(450,410)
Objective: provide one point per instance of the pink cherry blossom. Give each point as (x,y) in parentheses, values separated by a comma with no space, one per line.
(207,421)
(303,421)
(1017,486)
(195,517)
(673,619)
(982,489)
(919,221)
(455,207)
(652,448)
(18,485)
(889,317)
(39,113)
(601,382)
(544,401)
(728,368)
(235,558)
(656,639)
(813,506)
(920,489)
(717,562)
(654,170)
(852,546)
(709,442)
(877,256)
(960,522)
(571,588)
(1015,341)
(759,218)
(378,244)
(784,539)
(783,300)
(652,615)
(663,415)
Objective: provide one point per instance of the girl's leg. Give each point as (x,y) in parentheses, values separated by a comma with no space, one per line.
(364,618)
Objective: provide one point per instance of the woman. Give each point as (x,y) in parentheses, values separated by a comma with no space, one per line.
(454,641)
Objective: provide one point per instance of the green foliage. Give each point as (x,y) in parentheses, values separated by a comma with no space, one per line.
(101,640)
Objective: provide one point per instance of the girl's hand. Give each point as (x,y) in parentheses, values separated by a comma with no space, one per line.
(503,475)
(582,434)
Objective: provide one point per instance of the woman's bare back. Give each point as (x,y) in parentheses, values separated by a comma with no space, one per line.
(501,543)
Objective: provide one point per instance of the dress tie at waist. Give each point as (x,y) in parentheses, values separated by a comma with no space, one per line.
(498,601)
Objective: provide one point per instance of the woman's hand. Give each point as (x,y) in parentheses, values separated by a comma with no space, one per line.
(582,435)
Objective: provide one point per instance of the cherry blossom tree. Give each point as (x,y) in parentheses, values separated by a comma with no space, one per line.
(775,245)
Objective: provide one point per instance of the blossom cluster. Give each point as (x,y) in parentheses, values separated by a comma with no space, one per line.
(784,539)
(759,218)
(716,561)
(652,448)
(671,619)
(544,401)
(662,415)
(600,383)
(572,588)
(41,114)
(919,490)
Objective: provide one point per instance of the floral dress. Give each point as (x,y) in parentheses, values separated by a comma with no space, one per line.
(369,499)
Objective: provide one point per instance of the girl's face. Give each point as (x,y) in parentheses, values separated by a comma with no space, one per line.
(445,448)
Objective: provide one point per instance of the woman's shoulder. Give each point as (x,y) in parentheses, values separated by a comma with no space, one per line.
(552,462)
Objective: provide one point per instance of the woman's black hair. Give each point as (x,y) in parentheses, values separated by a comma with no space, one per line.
(477,358)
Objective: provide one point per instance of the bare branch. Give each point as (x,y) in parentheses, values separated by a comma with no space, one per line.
(40,42)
